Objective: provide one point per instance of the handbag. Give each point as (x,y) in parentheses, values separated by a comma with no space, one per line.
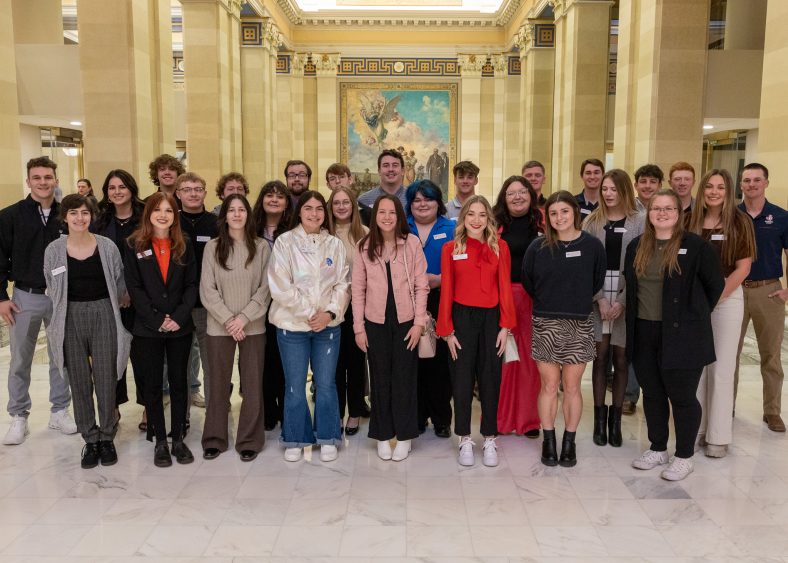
(428,341)
(510,353)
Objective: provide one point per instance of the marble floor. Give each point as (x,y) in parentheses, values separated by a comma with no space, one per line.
(359,508)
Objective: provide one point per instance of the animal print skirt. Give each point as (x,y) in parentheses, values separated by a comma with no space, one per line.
(563,341)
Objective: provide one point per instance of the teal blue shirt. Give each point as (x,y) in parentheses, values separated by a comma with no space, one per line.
(441,233)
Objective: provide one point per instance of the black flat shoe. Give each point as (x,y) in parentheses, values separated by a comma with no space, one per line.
(182,453)
(161,455)
(107,452)
(248,455)
(442,431)
(532,434)
(90,456)
(210,453)
(351,430)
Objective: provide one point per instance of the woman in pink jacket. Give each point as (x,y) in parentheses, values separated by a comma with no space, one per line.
(389,291)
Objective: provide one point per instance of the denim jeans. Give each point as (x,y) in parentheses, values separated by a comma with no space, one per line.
(298,350)
(632,393)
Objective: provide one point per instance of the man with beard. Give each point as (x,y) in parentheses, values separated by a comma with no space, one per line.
(298,174)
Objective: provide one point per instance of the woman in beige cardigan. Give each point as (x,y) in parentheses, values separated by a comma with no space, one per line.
(234,290)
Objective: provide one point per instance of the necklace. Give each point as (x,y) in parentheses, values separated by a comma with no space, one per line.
(123,222)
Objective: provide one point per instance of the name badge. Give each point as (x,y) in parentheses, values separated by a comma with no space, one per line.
(439,236)
(585,211)
(203,238)
(459,257)
(718,237)
(58,271)
(145,253)
(619,230)
(682,250)
(573,254)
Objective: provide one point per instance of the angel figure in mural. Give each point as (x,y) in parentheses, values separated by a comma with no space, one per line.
(376,112)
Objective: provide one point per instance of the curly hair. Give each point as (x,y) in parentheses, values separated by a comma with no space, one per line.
(164,161)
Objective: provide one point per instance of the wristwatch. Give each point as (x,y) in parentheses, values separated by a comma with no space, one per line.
(332,314)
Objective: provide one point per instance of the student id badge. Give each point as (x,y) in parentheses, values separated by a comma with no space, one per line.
(573,254)
(144,254)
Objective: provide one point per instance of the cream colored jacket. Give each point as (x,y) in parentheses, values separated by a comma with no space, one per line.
(306,274)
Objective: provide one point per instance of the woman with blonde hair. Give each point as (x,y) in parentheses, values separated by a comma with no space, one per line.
(615,222)
(730,231)
(475,316)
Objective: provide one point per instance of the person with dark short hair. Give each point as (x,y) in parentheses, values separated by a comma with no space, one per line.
(534,172)
(298,176)
(391,170)
(591,171)
(648,180)
(466,176)
(337,175)
(230,183)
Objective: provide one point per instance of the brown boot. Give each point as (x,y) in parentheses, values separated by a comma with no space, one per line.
(774,422)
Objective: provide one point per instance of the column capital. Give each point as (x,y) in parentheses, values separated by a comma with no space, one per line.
(562,7)
(522,38)
(272,37)
(233,7)
(471,64)
(326,63)
(297,63)
(500,63)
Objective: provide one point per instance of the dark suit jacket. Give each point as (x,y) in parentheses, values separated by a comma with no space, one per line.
(688,299)
(153,298)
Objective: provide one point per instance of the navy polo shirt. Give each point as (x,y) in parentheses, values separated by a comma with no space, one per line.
(771,238)
(586,207)
(441,233)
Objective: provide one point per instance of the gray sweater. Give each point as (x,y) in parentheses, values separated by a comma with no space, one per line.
(56,274)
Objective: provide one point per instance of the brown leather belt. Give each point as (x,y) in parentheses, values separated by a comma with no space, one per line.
(750,284)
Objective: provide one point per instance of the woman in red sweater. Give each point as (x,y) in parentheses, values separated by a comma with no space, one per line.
(475,316)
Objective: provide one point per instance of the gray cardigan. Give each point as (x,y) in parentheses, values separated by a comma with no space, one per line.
(634,224)
(56,274)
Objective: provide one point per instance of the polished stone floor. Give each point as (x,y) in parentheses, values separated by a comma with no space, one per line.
(359,508)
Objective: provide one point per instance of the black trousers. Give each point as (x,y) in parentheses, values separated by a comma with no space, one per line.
(149,354)
(350,372)
(273,378)
(122,391)
(476,328)
(664,389)
(392,369)
(434,377)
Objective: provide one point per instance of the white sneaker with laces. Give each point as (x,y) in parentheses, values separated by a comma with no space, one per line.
(490,452)
(293,454)
(678,469)
(384,450)
(650,459)
(401,450)
(198,400)
(61,420)
(328,452)
(17,431)
(466,457)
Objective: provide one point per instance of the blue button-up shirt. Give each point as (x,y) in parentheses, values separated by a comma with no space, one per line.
(771,238)
(441,233)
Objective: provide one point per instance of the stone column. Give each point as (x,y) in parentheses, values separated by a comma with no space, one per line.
(11,170)
(273,40)
(582,29)
(772,143)
(125,59)
(538,68)
(660,83)
(39,22)
(297,107)
(211,53)
(745,22)
(513,124)
(327,115)
(470,107)
(500,64)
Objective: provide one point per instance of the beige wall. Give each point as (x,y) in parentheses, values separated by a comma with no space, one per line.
(48,81)
(733,83)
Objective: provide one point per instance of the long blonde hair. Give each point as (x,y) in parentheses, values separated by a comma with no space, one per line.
(490,235)
(356,232)
(735,224)
(648,241)
(626,195)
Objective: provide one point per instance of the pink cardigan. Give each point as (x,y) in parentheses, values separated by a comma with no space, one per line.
(369,287)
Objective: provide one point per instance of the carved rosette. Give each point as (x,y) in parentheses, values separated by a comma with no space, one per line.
(326,64)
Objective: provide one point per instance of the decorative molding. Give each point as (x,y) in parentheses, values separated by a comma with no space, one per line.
(398,66)
(177,66)
(500,64)
(326,64)
(544,35)
(471,65)
(561,7)
(299,61)
(515,66)
(283,64)
(251,33)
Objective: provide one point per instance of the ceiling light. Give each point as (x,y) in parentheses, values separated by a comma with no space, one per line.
(75,123)
(707,127)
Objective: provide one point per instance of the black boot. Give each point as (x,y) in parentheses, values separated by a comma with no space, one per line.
(600,420)
(568,455)
(549,453)
(90,455)
(614,427)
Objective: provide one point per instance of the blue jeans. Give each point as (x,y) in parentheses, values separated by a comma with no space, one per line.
(632,394)
(298,350)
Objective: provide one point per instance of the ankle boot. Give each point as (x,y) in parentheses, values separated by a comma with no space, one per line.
(568,455)
(600,420)
(614,427)
(549,453)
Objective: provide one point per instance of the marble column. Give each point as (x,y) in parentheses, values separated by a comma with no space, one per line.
(11,170)
(500,64)
(470,107)
(582,29)
(273,40)
(660,83)
(772,141)
(125,61)
(211,53)
(327,115)
(512,126)
(298,122)
(538,69)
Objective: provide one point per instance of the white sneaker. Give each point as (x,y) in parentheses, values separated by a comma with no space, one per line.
(17,431)
(678,469)
(293,454)
(650,459)
(401,450)
(466,457)
(384,450)
(198,400)
(61,420)
(490,452)
(328,452)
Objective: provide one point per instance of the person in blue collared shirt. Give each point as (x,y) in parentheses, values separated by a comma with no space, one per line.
(764,295)
(426,217)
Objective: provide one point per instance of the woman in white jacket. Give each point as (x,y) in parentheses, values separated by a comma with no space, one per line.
(309,282)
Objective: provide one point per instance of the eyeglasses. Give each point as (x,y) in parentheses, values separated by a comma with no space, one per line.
(331,179)
(514,194)
(299,175)
(191,190)
(664,209)
(339,203)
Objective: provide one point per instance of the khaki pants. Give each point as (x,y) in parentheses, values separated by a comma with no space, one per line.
(768,319)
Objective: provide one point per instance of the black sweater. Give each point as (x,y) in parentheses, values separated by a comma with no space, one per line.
(201,227)
(564,279)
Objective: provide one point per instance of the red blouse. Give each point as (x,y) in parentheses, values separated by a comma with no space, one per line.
(161,248)
(477,278)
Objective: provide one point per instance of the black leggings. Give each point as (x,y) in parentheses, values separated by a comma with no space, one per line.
(599,374)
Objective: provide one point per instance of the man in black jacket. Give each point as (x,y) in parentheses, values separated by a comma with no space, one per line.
(26,228)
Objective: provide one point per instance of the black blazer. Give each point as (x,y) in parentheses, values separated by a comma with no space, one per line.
(688,299)
(153,299)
